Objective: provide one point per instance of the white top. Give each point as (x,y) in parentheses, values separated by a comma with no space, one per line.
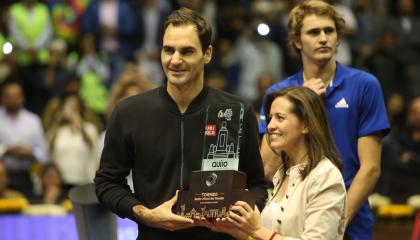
(73,156)
(310,209)
(26,129)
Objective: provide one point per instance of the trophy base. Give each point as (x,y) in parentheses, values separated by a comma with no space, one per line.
(212,193)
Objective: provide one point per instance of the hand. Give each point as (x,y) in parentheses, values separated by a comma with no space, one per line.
(19,151)
(52,192)
(243,217)
(221,225)
(162,216)
(317,85)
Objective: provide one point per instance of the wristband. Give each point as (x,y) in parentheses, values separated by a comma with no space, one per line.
(272,236)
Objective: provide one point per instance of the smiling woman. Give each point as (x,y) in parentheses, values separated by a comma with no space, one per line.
(309,195)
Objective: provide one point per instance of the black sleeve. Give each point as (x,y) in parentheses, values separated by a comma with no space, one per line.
(250,158)
(117,157)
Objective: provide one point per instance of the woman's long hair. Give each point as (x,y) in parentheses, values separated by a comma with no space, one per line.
(310,109)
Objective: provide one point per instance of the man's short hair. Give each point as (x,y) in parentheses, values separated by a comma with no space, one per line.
(312,7)
(185,16)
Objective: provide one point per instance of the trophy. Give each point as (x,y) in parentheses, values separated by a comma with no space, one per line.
(219,184)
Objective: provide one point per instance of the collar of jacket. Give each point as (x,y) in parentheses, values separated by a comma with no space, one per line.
(196,104)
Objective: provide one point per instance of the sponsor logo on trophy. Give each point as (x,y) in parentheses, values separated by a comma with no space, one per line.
(219,183)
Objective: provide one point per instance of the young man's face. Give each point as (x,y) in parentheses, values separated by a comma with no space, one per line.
(182,58)
(318,39)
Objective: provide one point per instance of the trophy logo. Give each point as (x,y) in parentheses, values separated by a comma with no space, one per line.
(219,183)
(211,179)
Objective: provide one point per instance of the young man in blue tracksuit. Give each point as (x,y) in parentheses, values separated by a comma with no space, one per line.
(354,103)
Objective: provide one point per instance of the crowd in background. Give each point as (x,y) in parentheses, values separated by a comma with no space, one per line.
(64,65)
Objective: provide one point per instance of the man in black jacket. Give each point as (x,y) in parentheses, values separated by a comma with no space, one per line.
(158,135)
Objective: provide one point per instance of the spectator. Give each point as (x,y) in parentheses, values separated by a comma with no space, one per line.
(370,25)
(66,20)
(113,24)
(52,186)
(401,158)
(30,32)
(71,87)
(132,81)
(150,15)
(5,192)
(256,54)
(406,24)
(386,63)
(71,143)
(95,75)
(22,142)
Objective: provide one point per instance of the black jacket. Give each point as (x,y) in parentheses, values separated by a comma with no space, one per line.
(147,133)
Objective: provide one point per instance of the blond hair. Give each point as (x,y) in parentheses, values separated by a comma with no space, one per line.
(312,7)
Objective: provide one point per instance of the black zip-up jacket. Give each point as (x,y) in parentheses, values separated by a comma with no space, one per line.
(148,134)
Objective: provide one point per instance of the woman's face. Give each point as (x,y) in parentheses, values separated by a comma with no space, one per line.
(51,177)
(71,107)
(285,130)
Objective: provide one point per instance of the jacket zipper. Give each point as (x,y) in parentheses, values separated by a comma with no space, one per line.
(181,180)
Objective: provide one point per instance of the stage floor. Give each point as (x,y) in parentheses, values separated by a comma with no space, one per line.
(22,227)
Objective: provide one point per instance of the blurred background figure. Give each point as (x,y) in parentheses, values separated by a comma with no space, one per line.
(52,191)
(256,52)
(71,143)
(386,63)
(94,74)
(401,158)
(5,191)
(370,25)
(22,142)
(216,79)
(406,24)
(150,15)
(113,24)
(71,86)
(91,61)
(265,80)
(132,81)
(55,73)
(30,32)
(66,16)
(396,111)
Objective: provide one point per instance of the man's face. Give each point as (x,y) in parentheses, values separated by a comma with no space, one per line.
(318,39)
(182,58)
(12,98)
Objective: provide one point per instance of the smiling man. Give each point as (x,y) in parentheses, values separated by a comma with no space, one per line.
(354,103)
(159,135)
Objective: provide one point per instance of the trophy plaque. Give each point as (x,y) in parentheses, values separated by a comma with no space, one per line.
(218,184)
